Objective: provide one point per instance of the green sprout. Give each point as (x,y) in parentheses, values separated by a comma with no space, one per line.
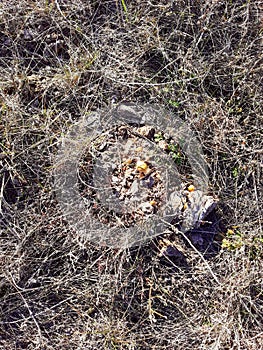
(124,6)
(158,137)
(175,104)
(256,248)
(233,240)
(235,172)
(175,152)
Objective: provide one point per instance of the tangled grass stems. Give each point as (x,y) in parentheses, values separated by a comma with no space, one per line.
(61,60)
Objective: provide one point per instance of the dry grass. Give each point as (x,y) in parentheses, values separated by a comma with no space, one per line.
(59,60)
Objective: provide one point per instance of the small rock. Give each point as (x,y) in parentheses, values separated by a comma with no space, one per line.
(146,208)
(147,131)
(148,182)
(163,144)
